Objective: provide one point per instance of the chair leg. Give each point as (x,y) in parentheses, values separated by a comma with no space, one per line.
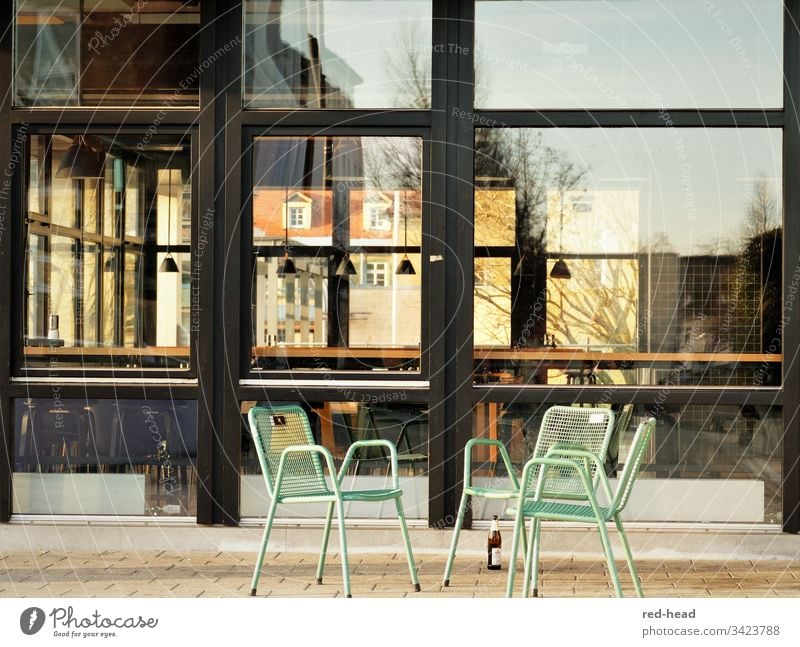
(637,585)
(263,549)
(536,530)
(412,567)
(526,584)
(343,548)
(326,533)
(462,509)
(519,527)
(612,567)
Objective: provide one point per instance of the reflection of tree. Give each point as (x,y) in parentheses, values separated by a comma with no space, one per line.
(515,172)
(756,295)
(761,210)
(408,66)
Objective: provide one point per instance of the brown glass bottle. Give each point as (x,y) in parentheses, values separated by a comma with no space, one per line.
(494,543)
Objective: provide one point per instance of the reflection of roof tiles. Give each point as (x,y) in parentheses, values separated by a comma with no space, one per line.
(268,212)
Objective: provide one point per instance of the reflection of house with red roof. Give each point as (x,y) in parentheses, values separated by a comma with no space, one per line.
(376,217)
(376,295)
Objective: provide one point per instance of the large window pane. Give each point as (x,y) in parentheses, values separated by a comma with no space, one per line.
(106,52)
(97,292)
(620,54)
(104,457)
(338,54)
(623,256)
(704,463)
(344,213)
(336,425)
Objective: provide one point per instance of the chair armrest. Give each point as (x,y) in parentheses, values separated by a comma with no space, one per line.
(487,442)
(560,450)
(372,443)
(306,449)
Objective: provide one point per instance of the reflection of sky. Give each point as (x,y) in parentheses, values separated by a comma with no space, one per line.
(693,184)
(361,34)
(629,54)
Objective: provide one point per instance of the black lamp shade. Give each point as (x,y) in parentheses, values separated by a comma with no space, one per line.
(405,267)
(560,270)
(80,162)
(111,264)
(286,266)
(346,267)
(169,265)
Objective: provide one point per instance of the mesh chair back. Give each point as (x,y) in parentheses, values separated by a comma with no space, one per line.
(274,429)
(590,428)
(633,463)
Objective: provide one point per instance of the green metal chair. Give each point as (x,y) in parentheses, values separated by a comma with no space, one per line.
(561,504)
(584,427)
(292,469)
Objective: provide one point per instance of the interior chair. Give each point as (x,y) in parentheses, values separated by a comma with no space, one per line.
(621,425)
(292,467)
(555,500)
(394,424)
(577,427)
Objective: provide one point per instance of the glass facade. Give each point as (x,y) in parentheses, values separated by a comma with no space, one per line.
(104,457)
(672,242)
(336,425)
(705,464)
(337,54)
(422,221)
(106,53)
(621,54)
(97,293)
(345,212)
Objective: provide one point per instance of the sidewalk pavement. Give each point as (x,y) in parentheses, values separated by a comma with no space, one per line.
(157,573)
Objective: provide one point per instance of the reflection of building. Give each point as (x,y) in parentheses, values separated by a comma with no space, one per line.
(295,309)
(289,63)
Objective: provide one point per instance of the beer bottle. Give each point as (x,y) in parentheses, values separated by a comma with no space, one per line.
(494,544)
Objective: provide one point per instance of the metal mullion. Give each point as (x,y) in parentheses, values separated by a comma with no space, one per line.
(229,269)
(297,392)
(630,394)
(791,266)
(436,323)
(459,257)
(88,117)
(9,256)
(332,130)
(118,390)
(323,119)
(772,118)
(424,251)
